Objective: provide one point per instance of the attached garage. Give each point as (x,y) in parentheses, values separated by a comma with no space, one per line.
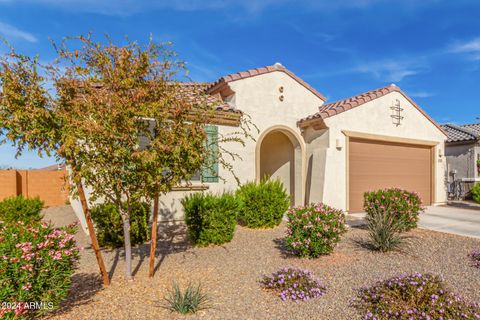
(376,140)
(374,165)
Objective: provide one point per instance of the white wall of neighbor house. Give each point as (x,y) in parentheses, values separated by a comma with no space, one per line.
(373,118)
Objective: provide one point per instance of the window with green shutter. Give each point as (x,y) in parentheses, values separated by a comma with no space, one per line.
(210,170)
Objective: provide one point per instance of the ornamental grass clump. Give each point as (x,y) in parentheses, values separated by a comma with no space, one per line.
(405,206)
(475,256)
(384,230)
(36,265)
(314,230)
(414,296)
(294,284)
(191,300)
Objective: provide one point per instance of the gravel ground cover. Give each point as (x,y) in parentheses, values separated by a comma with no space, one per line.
(230,274)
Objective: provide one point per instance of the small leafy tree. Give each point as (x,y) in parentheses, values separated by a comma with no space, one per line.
(29,119)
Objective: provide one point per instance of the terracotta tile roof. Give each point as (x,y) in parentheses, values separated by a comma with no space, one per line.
(258,71)
(337,107)
(463,133)
(198,91)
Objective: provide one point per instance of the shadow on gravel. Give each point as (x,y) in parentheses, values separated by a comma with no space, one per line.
(84,287)
(281,245)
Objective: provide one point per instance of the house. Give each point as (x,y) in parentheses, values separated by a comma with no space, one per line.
(329,153)
(462,151)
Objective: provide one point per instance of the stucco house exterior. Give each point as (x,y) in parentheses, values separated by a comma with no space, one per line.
(462,151)
(329,153)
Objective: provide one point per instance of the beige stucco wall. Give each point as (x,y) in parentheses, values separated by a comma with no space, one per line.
(259,98)
(374,118)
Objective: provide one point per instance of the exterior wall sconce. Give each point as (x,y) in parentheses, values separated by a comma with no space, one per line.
(338,144)
(440,153)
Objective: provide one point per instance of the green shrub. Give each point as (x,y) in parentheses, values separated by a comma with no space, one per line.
(18,208)
(189,301)
(415,296)
(476,192)
(404,205)
(109,225)
(384,230)
(36,265)
(314,230)
(210,219)
(263,204)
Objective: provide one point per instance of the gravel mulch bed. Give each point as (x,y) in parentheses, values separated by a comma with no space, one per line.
(230,275)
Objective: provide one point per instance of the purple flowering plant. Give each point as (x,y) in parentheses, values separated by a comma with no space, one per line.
(36,264)
(405,205)
(413,296)
(294,284)
(314,230)
(475,256)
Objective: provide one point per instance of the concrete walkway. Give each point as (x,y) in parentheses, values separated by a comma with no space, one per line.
(450,219)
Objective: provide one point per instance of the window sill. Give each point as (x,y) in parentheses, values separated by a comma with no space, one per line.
(194,187)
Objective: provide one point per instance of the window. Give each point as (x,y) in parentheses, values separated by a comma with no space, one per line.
(209,172)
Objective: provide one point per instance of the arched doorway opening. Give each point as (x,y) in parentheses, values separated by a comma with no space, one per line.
(280,156)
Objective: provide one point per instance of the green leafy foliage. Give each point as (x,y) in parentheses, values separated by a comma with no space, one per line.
(36,265)
(263,204)
(412,296)
(192,300)
(314,230)
(384,230)
(476,192)
(109,225)
(15,209)
(211,219)
(404,206)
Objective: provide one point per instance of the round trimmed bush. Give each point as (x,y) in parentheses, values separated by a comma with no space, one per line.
(109,224)
(18,208)
(210,219)
(414,296)
(314,230)
(476,192)
(294,284)
(36,265)
(404,205)
(263,204)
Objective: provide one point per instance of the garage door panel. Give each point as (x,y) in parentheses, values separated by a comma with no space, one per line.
(377,165)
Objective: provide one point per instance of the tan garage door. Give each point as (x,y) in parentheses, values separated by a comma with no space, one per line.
(376,165)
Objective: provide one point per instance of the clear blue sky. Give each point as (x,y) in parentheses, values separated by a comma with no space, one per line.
(430,48)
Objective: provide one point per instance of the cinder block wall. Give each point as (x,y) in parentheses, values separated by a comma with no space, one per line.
(50,186)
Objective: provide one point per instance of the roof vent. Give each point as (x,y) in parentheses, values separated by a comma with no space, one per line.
(278,65)
(393,85)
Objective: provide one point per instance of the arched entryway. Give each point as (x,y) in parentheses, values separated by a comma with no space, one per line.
(280,155)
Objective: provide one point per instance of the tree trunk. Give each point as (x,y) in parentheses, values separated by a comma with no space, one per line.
(91,230)
(153,243)
(128,245)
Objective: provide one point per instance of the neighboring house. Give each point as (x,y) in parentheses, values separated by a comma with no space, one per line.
(329,153)
(462,151)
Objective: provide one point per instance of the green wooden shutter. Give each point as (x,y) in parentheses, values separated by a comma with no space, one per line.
(210,170)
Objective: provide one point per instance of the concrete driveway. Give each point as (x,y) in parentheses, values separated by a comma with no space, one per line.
(450,219)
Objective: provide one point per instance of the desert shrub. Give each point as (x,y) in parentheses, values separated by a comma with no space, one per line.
(476,192)
(384,230)
(415,296)
(18,208)
(314,230)
(404,205)
(109,225)
(210,219)
(475,256)
(191,300)
(263,204)
(36,265)
(294,284)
